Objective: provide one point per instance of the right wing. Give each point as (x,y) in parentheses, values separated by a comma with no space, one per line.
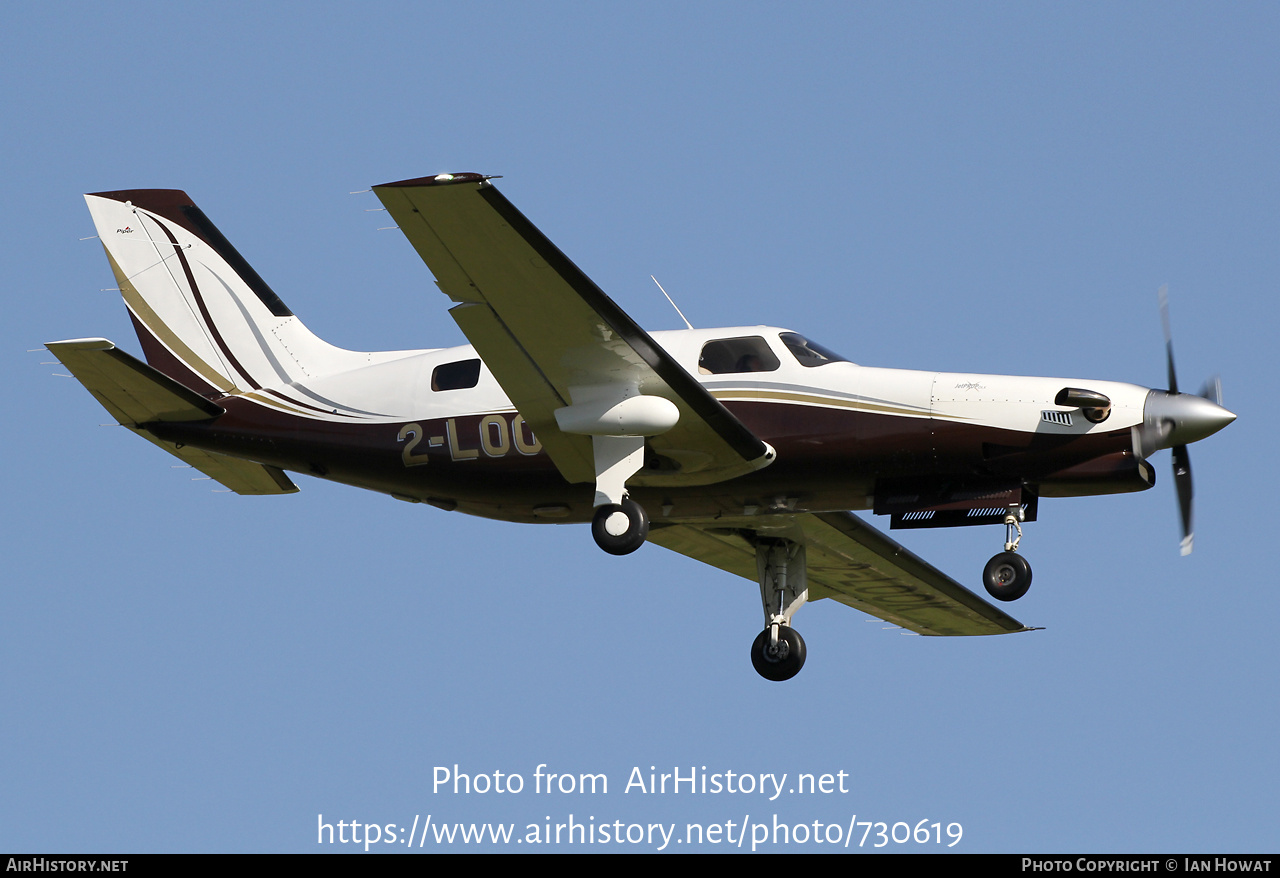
(848,561)
(545,330)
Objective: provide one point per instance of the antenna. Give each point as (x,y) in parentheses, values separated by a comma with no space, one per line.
(673,304)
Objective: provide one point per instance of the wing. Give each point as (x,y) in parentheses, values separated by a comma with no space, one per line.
(544,328)
(851,562)
(137,394)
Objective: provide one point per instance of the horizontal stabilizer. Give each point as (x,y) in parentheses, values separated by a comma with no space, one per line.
(241,476)
(132,391)
(137,394)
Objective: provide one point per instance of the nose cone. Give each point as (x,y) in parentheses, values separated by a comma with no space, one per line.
(1183,418)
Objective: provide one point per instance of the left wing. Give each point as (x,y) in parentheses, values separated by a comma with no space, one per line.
(848,561)
(549,334)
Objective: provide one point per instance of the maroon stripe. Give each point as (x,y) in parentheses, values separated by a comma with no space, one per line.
(301,405)
(165,361)
(204,310)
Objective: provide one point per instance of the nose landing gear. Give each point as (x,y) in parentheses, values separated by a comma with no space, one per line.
(1007,576)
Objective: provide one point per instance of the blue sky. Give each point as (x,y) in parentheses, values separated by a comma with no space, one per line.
(966,187)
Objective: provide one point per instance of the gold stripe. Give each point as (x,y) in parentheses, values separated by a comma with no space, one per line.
(161,331)
(276,404)
(814,399)
(834,402)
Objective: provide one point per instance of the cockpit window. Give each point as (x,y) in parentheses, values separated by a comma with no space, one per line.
(809,353)
(749,354)
(456,376)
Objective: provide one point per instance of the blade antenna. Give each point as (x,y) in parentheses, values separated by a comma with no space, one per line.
(673,303)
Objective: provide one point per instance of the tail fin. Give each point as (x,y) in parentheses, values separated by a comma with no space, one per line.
(204,316)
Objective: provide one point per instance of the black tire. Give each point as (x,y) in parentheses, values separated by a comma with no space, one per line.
(786,663)
(1007,576)
(629,540)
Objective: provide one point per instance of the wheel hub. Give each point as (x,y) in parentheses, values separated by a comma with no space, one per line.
(617,523)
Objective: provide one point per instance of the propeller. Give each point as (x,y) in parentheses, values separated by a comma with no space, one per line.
(1174,420)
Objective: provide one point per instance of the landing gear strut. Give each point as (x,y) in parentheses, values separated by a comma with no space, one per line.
(620,525)
(1007,576)
(778,652)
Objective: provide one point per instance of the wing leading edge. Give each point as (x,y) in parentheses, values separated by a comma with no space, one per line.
(546,331)
(851,562)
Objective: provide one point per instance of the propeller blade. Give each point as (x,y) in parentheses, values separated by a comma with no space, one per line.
(1175,419)
(1168,336)
(1212,390)
(1182,479)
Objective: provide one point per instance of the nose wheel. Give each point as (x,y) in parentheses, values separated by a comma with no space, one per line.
(1007,575)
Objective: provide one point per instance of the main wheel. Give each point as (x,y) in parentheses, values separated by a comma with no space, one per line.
(620,530)
(782,663)
(1007,576)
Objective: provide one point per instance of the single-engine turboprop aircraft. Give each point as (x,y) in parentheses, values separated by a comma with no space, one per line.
(743,447)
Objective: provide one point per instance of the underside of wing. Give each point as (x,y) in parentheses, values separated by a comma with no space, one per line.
(548,333)
(848,561)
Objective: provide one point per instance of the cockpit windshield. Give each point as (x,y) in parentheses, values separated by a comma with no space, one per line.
(809,353)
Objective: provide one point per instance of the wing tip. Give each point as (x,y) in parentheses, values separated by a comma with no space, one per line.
(80,344)
(439,180)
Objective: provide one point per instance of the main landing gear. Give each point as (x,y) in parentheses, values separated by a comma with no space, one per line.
(1007,575)
(778,652)
(620,524)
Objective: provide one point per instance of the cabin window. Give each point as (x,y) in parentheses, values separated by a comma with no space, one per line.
(809,353)
(749,354)
(456,376)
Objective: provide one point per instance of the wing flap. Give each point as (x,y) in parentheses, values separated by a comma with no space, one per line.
(852,563)
(485,252)
(524,381)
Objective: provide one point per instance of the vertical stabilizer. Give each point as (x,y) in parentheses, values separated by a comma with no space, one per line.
(204,316)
